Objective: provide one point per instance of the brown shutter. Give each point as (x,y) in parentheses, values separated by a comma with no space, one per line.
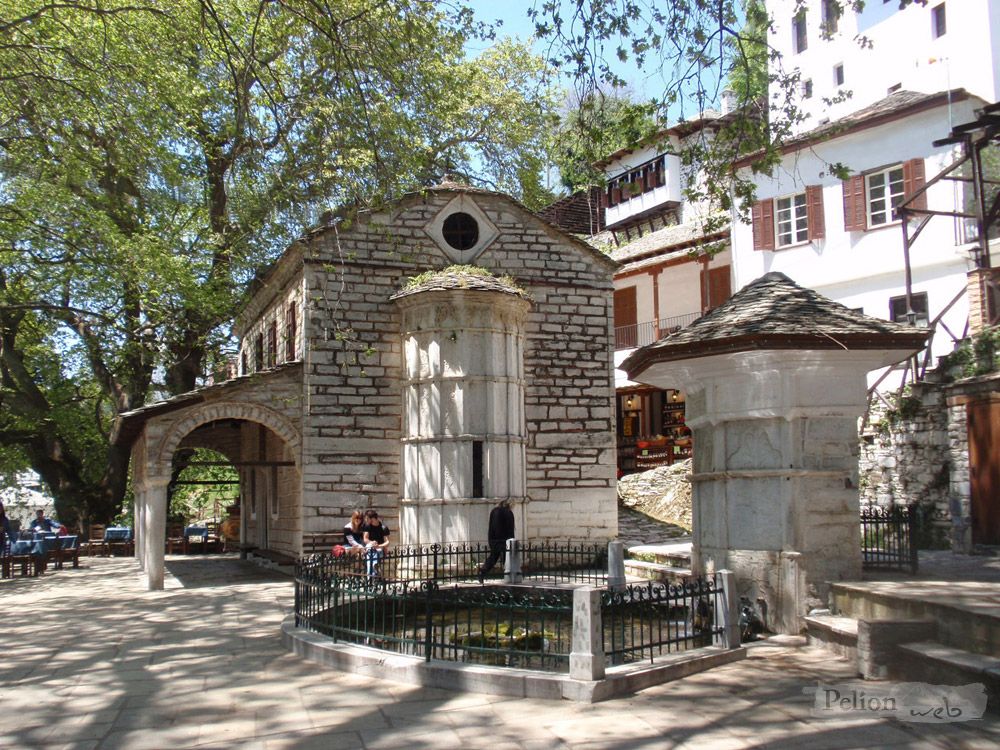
(913,180)
(625,307)
(763,225)
(814,212)
(855,210)
(715,287)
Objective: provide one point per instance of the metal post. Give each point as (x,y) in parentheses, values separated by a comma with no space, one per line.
(726,612)
(512,564)
(586,660)
(616,566)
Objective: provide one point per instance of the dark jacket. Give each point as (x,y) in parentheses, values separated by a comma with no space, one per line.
(501,524)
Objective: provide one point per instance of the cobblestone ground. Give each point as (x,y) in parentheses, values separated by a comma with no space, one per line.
(91,660)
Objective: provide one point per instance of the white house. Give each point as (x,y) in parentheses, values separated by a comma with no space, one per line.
(825,216)
(849,59)
(841,236)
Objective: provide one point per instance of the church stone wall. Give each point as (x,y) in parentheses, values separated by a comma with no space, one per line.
(352,422)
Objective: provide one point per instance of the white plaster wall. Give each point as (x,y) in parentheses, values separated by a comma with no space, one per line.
(902,51)
(865,269)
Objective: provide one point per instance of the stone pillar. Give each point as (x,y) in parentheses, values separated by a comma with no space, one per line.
(154,530)
(774,487)
(616,566)
(980,296)
(586,660)
(727,614)
(512,562)
(139,520)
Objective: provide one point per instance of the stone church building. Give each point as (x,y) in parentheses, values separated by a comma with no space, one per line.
(425,360)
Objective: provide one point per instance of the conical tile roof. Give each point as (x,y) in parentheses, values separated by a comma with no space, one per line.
(773,312)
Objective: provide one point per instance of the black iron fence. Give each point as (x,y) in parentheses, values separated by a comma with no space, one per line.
(426,601)
(645,621)
(528,629)
(888,537)
(583,562)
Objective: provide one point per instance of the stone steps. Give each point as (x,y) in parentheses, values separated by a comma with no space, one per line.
(834,633)
(677,554)
(936,663)
(654,571)
(970,622)
(670,562)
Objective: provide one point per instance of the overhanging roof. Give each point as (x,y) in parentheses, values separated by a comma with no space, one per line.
(774,312)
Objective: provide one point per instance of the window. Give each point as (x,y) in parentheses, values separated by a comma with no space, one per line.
(243,362)
(807,89)
(897,309)
(789,220)
(885,191)
(291,333)
(792,220)
(801,41)
(460,231)
(831,16)
(939,23)
(272,343)
(477,468)
(838,74)
(258,353)
(870,200)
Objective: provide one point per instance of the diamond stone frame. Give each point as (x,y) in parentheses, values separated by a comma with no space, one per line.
(487,231)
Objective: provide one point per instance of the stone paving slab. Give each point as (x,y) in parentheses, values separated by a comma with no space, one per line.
(91,660)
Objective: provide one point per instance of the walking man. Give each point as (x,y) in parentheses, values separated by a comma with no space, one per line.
(501,529)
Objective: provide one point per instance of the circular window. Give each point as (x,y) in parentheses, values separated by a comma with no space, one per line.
(460,231)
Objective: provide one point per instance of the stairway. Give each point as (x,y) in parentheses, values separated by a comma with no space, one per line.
(938,632)
(667,563)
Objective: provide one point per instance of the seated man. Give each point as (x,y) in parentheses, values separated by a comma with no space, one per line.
(41,523)
(376,536)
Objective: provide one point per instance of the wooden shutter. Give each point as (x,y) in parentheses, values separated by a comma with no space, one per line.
(855,209)
(763,225)
(626,330)
(625,307)
(913,180)
(814,212)
(715,287)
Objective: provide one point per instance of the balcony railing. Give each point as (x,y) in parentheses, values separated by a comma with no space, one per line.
(640,334)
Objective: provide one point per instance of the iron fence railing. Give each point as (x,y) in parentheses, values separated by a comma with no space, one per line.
(582,562)
(888,537)
(577,563)
(426,602)
(640,334)
(645,621)
(492,625)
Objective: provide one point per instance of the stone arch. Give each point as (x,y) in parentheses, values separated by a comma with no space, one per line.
(212,412)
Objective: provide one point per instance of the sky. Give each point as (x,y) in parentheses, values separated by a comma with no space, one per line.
(649,83)
(516,23)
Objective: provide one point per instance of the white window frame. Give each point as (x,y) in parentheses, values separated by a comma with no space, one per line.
(788,211)
(881,209)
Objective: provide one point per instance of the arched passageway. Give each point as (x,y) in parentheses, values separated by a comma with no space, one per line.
(261,445)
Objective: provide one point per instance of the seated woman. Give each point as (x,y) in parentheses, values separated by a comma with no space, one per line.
(354,534)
